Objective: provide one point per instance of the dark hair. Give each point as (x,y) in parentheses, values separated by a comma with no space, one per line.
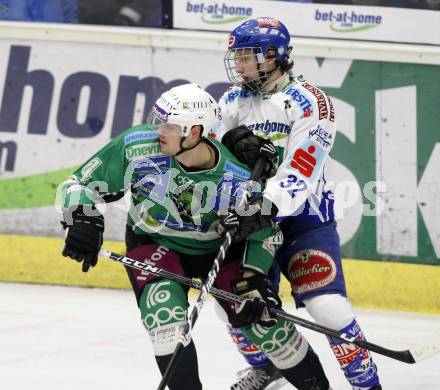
(287,65)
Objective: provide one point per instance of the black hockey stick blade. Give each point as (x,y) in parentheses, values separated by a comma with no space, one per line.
(427,349)
(413,355)
(419,352)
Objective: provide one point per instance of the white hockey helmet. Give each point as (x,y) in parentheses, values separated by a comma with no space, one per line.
(187,105)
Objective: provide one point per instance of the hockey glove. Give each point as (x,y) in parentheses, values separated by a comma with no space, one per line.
(248,147)
(84,237)
(254,220)
(260,300)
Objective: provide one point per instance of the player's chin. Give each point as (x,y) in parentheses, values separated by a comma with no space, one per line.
(165,148)
(247,79)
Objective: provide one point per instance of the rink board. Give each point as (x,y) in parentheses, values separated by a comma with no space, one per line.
(385,98)
(381,285)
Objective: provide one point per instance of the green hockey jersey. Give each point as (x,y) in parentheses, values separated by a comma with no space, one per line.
(176,206)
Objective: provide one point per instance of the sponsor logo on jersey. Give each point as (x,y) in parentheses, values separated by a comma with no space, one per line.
(143,150)
(304,161)
(270,127)
(153,184)
(310,270)
(321,98)
(235,93)
(301,99)
(307,158)
(237,170)
(152,164)
(139,136)
(321,136)
(89,168)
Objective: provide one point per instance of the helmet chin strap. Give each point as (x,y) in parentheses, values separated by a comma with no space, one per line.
(256,85)
(183,149)
(264,76)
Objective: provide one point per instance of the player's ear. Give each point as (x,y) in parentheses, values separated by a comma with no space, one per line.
(196,132)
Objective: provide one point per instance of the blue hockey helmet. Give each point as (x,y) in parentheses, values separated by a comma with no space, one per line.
(265,38)
(264,33)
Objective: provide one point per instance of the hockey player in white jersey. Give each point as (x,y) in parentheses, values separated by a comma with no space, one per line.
(298,118)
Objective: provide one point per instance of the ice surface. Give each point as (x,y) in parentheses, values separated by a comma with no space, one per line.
(65,338)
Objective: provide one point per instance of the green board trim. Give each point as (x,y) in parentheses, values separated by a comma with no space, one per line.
(31,191)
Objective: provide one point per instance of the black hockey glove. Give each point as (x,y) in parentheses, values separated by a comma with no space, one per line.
(84,237)
(260,300)
(259,214)
(248,147)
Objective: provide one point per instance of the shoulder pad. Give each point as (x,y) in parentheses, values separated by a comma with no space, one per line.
(138,133)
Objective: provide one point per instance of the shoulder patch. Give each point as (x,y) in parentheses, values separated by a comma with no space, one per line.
(89,168)
(321,98)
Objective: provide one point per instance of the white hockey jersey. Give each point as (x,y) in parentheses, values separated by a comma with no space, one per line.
(299,120)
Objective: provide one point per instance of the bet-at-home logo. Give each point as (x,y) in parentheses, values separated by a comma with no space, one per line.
(218,13)
(353,21)
(143,150)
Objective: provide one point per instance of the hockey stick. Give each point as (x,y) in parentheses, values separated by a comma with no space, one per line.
(410,356)
(185,337)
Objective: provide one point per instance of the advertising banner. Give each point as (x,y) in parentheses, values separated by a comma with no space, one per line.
(61,103)
(388,24)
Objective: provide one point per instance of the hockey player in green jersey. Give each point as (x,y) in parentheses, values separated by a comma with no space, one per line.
(180,181)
